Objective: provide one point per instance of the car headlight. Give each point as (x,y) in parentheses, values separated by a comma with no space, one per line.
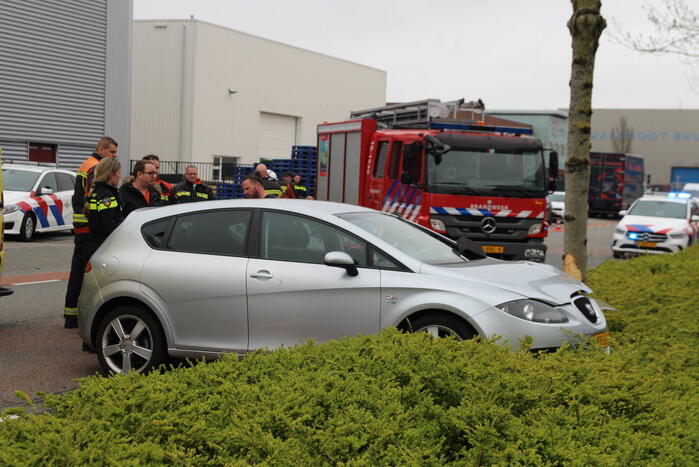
(438,225)
(534,229)
(678,235)
(532,310)
(9,208)
(619,230)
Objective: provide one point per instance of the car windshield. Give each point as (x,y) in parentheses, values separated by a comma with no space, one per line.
(557,197)
(19,180)
(406,237)
(658,208)
(488,172)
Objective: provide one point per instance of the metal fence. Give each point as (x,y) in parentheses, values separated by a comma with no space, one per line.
(211,172)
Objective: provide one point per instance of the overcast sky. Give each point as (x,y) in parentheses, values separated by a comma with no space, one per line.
(513,54)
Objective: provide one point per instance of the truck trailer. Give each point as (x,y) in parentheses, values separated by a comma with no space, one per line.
(460,178)
(616,181)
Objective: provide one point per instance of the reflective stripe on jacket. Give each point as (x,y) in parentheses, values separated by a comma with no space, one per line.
(80,193)
(185,192)
(104,212)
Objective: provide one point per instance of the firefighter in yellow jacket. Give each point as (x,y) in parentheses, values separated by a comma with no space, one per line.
(106,147)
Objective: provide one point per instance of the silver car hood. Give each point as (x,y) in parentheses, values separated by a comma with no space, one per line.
(530,280)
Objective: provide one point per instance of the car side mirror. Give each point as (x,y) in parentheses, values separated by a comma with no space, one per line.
(468,248)
(44,191)
(340,259)
(553,165)
(622,213)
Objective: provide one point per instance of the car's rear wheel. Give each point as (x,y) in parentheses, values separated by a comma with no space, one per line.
(27,228)
(440,324)
(129,339)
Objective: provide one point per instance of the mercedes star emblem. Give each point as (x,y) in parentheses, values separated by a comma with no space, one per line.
(488,225)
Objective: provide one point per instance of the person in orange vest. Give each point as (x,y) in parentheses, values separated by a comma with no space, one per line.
(163,187)
(106,147)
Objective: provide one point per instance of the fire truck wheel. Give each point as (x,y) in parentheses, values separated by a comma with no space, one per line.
(440,324)
(28,228)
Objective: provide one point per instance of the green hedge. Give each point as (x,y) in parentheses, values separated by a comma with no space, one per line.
(408,399)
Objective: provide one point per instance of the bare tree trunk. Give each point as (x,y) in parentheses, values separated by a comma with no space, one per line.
(586,26)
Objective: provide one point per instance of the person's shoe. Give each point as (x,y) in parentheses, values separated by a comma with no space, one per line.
(71,322)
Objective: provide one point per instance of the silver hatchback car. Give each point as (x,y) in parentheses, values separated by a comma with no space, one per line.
(201,279)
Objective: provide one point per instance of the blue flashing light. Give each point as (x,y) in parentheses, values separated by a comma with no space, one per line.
(633,235)
(679,195)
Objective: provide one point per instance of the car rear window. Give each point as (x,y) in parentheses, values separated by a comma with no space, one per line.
(212,232)
(154,232)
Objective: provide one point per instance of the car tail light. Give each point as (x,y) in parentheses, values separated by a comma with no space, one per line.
(88,267)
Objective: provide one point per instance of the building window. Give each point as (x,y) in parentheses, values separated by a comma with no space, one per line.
(39,152)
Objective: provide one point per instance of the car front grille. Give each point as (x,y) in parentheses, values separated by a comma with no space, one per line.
(647,237)
(584,304)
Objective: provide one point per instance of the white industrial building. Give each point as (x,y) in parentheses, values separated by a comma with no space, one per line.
(206,93)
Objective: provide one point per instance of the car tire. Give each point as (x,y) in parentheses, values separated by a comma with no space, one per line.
(440,324)
(27,228)
(618,255)
(120,352)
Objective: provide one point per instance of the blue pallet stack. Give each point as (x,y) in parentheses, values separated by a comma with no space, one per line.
(234,190)
(303,162)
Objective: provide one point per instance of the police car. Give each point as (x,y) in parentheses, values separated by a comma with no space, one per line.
(36,199)
(657,223)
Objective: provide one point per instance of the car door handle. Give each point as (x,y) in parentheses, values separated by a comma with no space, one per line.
(262,274)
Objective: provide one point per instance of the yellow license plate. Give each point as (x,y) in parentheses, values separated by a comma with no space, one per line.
(646,244)
(493,249)
(603,338)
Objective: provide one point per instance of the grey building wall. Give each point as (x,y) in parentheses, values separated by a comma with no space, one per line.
(664,137)
(65,76)
(551,127)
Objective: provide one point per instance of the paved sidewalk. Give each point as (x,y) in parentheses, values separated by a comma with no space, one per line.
(47,253)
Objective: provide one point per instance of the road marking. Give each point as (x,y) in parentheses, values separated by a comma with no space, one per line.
(36,282)
(34,278)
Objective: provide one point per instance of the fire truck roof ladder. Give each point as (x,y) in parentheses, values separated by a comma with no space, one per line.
(434,114)
(418,113)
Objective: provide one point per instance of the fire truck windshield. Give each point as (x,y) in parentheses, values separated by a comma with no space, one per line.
(487,172)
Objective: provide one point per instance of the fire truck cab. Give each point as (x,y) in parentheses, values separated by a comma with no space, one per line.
(458,177)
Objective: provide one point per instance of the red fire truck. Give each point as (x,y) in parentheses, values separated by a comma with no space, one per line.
(425,162)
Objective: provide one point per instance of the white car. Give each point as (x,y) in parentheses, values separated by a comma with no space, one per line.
(557,199)
(37,199)
(657,223)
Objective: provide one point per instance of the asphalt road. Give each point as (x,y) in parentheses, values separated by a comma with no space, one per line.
(38,354)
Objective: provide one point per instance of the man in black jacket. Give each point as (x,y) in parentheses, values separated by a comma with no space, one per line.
(191,189)
(138,191)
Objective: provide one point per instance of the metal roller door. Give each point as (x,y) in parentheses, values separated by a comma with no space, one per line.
(52,79)
(277,135)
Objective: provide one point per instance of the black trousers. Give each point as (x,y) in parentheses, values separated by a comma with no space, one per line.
(81,255)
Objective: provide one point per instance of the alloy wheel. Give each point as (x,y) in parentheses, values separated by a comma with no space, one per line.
(127,344)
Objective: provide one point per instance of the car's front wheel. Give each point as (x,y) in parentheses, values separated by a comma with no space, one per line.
(440,324)
(27,228)
(129,339)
